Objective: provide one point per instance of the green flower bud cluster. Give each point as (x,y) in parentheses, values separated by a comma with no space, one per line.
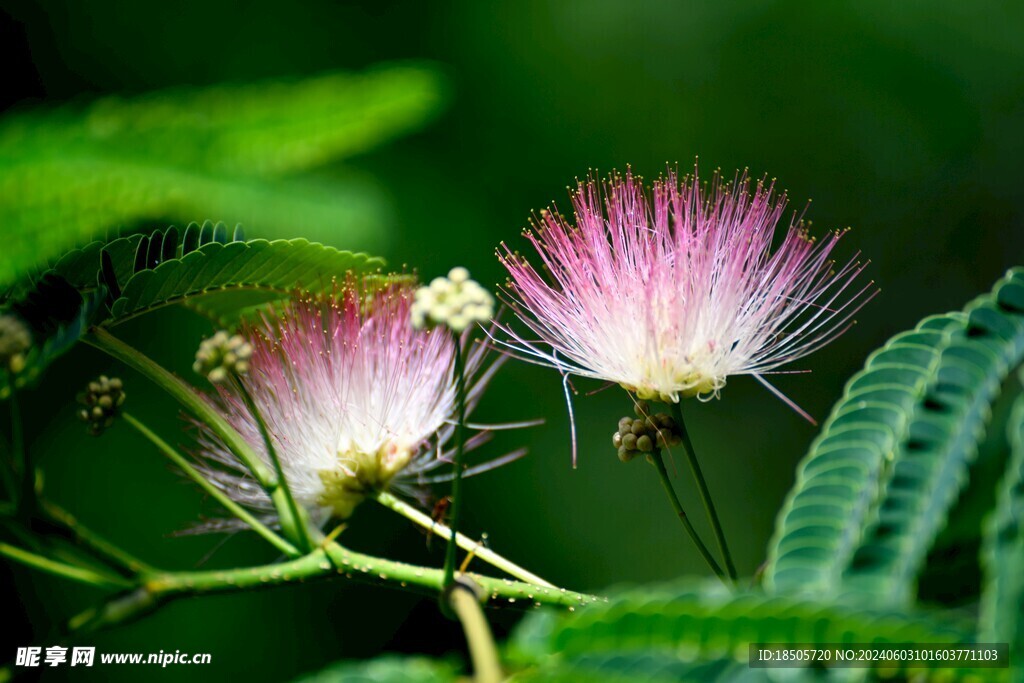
(102,401)
(644,433)
(15,340)
(455,301)
(223,355)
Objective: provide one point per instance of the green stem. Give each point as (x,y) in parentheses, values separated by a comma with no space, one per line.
(8,475)
(702,488)
(659,465)
(187,396)
(329,560)
(22,465)
(465,603)
(217,494)
(91,541)
(67,571)
(297,522)
(11,474)
(460,388)
(465,542)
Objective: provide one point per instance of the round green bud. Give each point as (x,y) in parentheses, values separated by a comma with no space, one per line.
(101,403)
(645,444)
(15,340)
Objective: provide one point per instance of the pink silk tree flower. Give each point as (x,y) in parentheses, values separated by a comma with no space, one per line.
(356,401)
(671,291)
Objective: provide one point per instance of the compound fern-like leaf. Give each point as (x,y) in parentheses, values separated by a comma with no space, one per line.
(878,484)
(231,152)
(931,466)
(1002,603)
(701,630)
(266,270)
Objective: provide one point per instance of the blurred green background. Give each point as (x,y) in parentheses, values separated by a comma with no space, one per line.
(902,120)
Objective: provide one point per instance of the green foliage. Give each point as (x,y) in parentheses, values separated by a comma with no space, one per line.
(210,268)
(631,667)
(57,315)
(838,484)
(696,630)
(706,620)
(878,484)
(1002,605)
(73,173)
(387,669)
(273,269)
(931,467)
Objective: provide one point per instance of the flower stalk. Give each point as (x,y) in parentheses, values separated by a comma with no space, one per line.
(297,515)
(23,469)
(90,541)
(460,443)
(184,394)
(659,465)
(702,488)
(61,569)
(192,473)
(465,542)
(464,600)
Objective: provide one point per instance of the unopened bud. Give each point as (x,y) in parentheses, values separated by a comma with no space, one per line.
(222,356)
(15,340)
(455,301)
(101,402)
(645,434)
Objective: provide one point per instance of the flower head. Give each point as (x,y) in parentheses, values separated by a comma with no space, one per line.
(669,292)
(355,399)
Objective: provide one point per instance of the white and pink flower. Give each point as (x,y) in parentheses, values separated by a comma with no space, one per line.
(671,291)
(356,401)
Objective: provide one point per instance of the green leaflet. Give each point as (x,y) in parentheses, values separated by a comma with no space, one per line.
(878,483)
(700,626)
(209,268)
(267,128)
(57,315)
(632,667)
(839,481)
(931,466)
(387,669)
(81,267)
(272,268)
(70,174)
(1002,603)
